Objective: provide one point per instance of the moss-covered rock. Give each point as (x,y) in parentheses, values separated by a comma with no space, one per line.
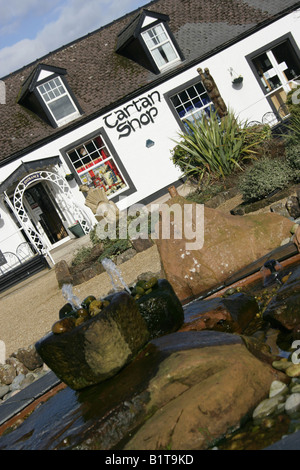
(161,309)
(99,347)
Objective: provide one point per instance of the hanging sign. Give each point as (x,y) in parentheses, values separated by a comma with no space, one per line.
(134,116)
(30,178)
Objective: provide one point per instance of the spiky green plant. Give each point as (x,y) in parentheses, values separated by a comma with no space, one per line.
(215,147)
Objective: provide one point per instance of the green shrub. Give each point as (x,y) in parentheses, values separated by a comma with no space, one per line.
(294,110)
(214,147)
(114,247)
(263,177)
(292,153)
(203,195)
(81,255)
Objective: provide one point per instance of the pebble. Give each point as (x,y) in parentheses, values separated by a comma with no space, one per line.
(281,365)
(267,407)
(295,388)
(293,370)
(277,388)
(15,375)
(4,389)
(292,403)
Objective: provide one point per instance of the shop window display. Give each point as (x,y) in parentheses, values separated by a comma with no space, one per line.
(96,167)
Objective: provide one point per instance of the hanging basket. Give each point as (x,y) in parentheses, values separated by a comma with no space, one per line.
(69,177)
(237,80)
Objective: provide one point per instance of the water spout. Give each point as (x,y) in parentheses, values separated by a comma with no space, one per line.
(117,280)
(270,271)
(67,292)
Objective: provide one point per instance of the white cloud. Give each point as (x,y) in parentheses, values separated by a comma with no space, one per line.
(76,19)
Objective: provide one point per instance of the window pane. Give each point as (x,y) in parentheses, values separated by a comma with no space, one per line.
(62,107)
(160,34)
(200,88)
(190,101)
(287,60)
(183,96)
(99,142)
(192,92)
(164,54)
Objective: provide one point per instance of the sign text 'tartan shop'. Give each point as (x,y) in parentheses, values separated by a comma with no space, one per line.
(140,112)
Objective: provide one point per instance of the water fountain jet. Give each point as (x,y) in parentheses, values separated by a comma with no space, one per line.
(116,278)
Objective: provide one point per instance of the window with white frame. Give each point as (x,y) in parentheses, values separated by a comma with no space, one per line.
(160,46)
(58,101)
(277,69)
(96,167)
(190,103)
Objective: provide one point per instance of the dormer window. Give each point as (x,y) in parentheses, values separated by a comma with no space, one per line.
(160,46)
(58,101)
(46,92)
(148,41)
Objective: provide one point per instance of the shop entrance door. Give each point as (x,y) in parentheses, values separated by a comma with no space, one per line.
(44,214)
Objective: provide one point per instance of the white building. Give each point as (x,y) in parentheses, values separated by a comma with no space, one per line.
(104,110)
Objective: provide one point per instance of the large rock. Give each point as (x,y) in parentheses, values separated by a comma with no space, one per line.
(199,393)
(231,314)
(283,311)
(230,243)
(98,348)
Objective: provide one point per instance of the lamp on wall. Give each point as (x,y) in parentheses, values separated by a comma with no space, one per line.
(149,143)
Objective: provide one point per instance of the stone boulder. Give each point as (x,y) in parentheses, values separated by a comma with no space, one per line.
(283,310)
(231,314)
(29,357)
(98,348)
(161,309)
(63,274)
(204,387)
(230,243)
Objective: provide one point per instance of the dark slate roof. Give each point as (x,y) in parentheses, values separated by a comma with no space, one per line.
(100,78)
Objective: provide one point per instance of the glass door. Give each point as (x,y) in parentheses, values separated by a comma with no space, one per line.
(44,215)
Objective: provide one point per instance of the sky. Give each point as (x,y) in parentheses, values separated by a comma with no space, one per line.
(29,29)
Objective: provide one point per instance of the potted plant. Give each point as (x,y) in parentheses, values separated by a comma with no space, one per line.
(69,176)
(237,80)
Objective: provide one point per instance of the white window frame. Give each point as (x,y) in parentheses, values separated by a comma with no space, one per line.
(160,44)
(194,113)
(63,93)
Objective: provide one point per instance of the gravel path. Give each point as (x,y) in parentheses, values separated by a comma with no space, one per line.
(28,310)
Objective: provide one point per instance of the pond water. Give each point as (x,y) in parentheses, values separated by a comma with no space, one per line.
(69,417)
(261,433)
